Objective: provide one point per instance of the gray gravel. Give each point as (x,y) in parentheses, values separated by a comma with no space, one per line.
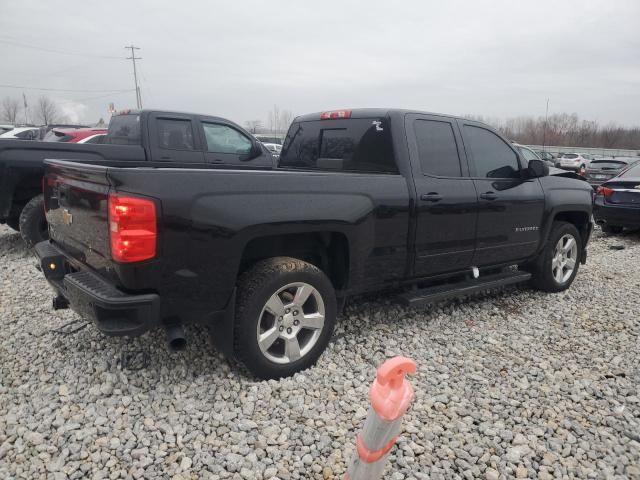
(513,384)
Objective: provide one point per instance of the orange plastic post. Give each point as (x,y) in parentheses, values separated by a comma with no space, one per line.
(390,395)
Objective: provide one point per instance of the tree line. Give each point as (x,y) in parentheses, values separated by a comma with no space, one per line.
(45,111)
(566,130)
(278,121)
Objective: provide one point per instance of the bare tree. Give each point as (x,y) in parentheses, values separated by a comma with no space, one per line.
(10,108)
(279,120)
(47,111)
(285,120)
(564,129)
(274,119)
(253,125)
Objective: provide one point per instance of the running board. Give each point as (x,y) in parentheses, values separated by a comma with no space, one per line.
(442,292)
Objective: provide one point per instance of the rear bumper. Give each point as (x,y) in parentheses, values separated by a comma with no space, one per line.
(114,312)
(616,215)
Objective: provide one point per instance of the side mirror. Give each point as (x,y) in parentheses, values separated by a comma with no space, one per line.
(537,169)
(254,152)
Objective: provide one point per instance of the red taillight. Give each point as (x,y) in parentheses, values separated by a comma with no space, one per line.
(335,115)
(132,228)
(604,191)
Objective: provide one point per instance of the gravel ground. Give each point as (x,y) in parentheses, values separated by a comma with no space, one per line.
(513,384)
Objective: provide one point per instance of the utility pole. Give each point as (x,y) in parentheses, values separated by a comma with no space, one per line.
(544,130)
(133,58)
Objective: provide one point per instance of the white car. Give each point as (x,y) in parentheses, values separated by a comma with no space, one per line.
(6,128)
(574,161)
(97,138)
(22,133)
(274,148)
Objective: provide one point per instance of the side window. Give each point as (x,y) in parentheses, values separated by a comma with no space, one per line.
(491,155)
(437,148)
(224,139)
(175,134)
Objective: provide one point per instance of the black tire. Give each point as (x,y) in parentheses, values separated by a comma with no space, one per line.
(255,288)
(33,223)
(611,228)
(542,269)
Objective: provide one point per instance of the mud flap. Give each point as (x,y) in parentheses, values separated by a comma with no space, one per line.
(221,332)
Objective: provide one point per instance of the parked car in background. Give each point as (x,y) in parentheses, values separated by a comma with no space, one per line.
(97,138)
(274,148)
(22,133)
(546,156)
(72,135)
(6,128)
(269,138)
(617,202)
(576,162)
(529,154)
(601,170)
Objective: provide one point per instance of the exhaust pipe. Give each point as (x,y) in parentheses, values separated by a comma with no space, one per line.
(175,338)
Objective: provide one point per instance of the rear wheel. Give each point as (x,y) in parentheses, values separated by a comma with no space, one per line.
(285,315)
(557,266)
(33,223)
(611,229)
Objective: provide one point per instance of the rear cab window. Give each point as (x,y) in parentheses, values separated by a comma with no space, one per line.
(346,144)
(124,129)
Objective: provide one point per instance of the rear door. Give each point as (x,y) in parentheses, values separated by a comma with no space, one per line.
(174,139)
(446,196)
(510,206)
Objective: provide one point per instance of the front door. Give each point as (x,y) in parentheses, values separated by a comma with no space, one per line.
(511,206)
(446,210)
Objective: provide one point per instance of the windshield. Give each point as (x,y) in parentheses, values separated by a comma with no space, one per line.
(124,130)
(569,155)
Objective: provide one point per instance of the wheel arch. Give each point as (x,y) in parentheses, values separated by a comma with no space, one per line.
(327,250)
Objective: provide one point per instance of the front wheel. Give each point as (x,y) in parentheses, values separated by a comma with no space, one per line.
(557,266)
(285,316)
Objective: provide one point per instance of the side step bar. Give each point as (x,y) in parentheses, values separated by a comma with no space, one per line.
(442,292)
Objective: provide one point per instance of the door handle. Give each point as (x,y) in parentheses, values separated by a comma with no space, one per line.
(488,196)
(431,197)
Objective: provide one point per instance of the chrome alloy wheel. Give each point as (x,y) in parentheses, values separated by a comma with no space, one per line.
(290,323)
(565,256)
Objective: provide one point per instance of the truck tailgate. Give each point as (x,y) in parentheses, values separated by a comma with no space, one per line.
(76,198)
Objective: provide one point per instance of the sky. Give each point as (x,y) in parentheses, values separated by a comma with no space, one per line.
(498,59)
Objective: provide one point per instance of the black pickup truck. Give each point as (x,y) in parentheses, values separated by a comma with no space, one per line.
(360,201)
(135,138)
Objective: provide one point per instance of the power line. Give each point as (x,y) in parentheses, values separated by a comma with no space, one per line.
(60,52)
(23,87)
(104,96)
(133,58)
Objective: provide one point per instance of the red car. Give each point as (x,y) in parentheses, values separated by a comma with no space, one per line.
(72,135)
